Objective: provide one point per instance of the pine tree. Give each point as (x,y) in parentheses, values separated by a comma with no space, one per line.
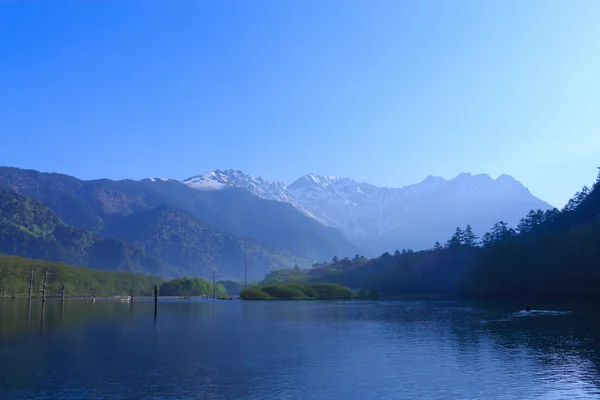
(469,238)
(487,239)
(499,231)
(437,246)
(396,254)
(335,259)
(456,239)
(527,223)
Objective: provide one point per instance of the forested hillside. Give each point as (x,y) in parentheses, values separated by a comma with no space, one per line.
(191,247)
(29,228)
(557,252)
(553,252)
(93,205)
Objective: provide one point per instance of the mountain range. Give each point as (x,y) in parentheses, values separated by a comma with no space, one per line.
(217,220)
(381,219)
(189,231)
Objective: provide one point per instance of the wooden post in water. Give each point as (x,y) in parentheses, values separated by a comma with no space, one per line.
(132,293)
(63,294)
(30,284)
(155,302)
(29,315)
(246,270)
(43,312)
(214,288)
(29,300)
(45,286)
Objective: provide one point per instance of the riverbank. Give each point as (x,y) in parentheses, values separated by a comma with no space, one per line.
(297,291)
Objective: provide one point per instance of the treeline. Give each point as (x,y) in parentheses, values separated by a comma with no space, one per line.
(29,228)
(553,252)
(233,288)
(296,291)
(556,252)
(187,286)
(15,273)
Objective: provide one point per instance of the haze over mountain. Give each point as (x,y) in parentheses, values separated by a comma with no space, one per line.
(189,231)
(383,219)
(209,221)
(29,228)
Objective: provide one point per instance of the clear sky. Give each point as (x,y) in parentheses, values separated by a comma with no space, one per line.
(385,92)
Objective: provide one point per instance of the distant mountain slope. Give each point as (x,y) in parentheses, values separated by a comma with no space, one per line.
(384,219)
(29,228)
(83,204)
(94,204)
(195,248)
(243,214)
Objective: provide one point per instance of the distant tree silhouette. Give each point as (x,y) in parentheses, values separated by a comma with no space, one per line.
(469,238)
(456,239)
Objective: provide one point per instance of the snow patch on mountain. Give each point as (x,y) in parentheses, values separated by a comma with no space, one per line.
(364,211)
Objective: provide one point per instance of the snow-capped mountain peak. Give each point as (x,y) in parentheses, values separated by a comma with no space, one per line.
(365,212)
(237,179)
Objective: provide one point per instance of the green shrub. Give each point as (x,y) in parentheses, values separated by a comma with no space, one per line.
(253,293)
(328,290)
(296,291)
(280,291)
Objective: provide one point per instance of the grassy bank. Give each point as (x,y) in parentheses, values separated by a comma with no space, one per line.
(15,273)
(296,291)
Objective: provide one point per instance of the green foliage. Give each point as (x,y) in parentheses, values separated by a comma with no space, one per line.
(15,273)
(553,253)
(29,228)
(323,290)
(254,293)
(284,276)
(281,291)
(435,271)
(189,246)
(296,291)
(233,288)
(191,287)
(162,218)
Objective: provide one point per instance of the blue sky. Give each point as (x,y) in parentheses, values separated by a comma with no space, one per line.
(385,92)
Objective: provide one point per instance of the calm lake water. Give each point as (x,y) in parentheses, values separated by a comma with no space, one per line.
(299,350)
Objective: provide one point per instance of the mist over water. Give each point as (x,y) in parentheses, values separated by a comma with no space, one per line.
(299,350)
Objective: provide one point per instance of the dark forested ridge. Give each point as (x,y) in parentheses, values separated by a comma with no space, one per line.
(555,252)
(29,228)
(285,236)
(552,252)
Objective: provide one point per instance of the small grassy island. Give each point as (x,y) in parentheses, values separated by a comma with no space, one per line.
(297,291)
